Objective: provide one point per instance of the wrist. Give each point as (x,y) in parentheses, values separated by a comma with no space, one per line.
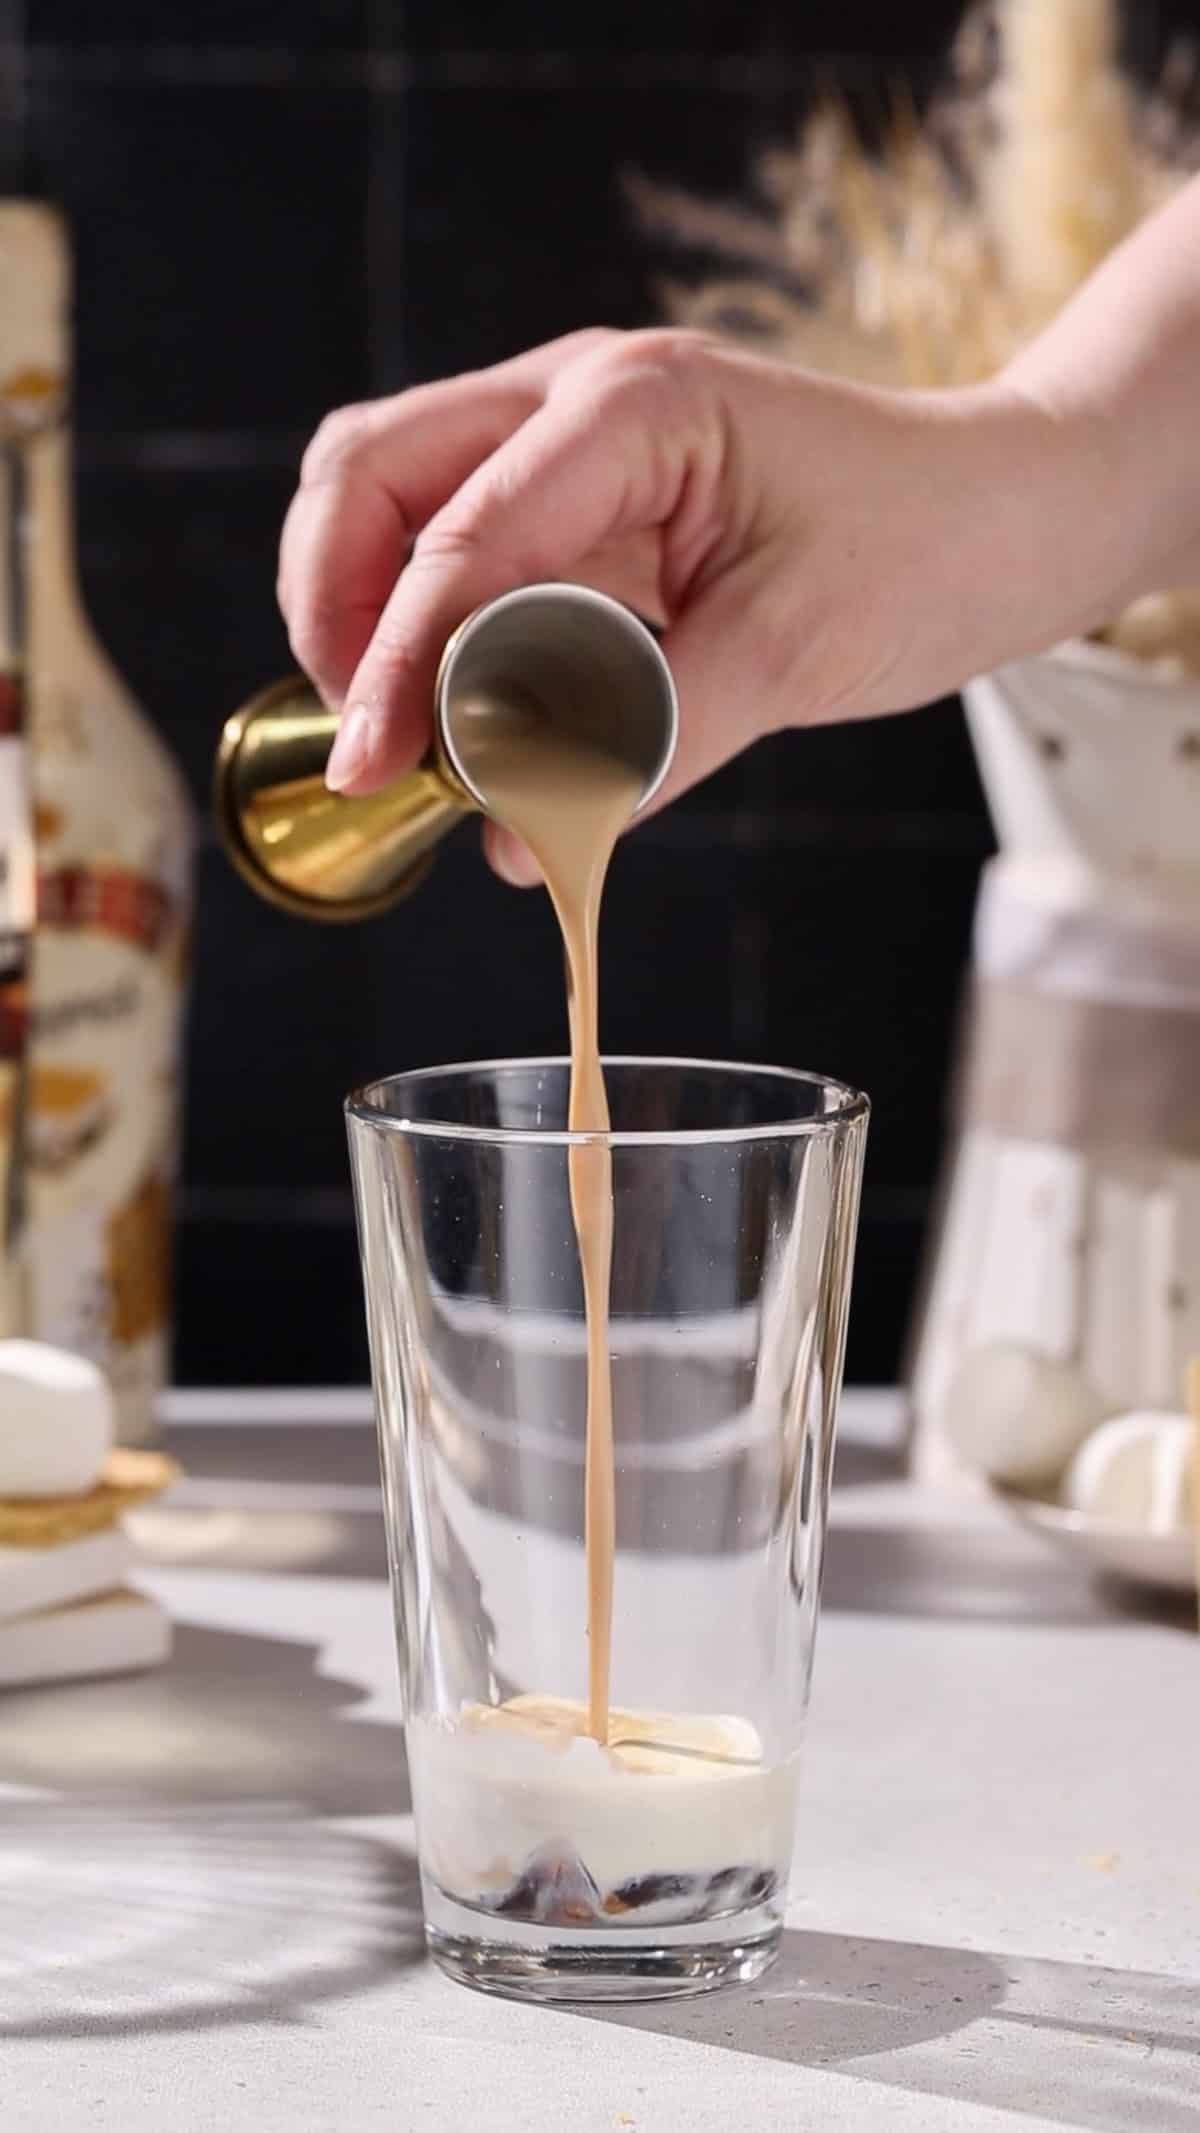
(1124,481)
(1064,486)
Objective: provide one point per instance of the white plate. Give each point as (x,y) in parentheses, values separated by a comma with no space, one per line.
(1167,1560)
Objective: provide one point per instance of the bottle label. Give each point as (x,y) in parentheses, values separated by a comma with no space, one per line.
(106,899)
(109,970)
(14,1018)
(16,918)
(98,1087)
(17,891)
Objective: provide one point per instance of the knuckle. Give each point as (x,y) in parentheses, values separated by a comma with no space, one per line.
(479,531)
(391,668)
(335,443)
(472,521)
(312,629)
(671,346)
(657,373)
(449,540)
(657,352)
(589,341)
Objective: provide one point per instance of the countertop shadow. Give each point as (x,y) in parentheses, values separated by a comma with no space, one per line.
(858,1465)
(962,2025)
(233,1717)
(123,1918)
(978,1573)
(165,1861)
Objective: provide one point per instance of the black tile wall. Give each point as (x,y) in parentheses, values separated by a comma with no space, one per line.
(216,290)
(281,1298)
(866,947)
(681,30)
(910,779)
(477,161)
(199,25)
(280,207)
(178,564)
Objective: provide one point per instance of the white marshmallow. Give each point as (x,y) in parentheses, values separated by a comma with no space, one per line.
(1137,1470)
(56,1421)
(1018,1416)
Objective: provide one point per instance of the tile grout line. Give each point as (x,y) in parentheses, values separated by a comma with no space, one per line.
(170,451)
(391,71)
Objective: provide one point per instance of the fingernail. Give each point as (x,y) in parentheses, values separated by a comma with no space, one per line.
(351,748)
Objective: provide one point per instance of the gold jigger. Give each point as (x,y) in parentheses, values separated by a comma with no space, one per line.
(576,655)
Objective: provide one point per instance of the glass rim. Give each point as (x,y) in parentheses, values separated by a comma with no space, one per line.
(851,1106)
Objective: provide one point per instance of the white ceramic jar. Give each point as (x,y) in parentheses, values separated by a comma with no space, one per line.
(1069,1229)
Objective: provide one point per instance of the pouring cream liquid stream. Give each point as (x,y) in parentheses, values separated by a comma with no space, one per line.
(541,1809)
(568,798)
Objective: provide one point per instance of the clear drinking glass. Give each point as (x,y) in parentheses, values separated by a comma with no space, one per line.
(554,1866)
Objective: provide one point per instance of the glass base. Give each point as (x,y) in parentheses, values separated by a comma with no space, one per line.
(540,1963)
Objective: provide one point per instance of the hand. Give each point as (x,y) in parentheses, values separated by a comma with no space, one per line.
(814,550)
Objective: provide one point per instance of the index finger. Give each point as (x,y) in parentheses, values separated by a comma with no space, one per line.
(590,466)
(371,478)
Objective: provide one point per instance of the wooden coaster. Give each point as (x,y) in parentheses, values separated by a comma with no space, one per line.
(129,1477)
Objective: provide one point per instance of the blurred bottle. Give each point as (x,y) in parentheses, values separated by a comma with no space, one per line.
(113,838)
(16,901)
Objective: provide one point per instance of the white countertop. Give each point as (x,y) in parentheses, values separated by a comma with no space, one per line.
(208,1911)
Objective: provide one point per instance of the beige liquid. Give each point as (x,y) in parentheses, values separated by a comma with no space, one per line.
(569,799)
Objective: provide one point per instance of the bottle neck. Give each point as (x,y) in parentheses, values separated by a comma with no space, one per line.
(39,588)
(14,578)
(36,535)
(50,571)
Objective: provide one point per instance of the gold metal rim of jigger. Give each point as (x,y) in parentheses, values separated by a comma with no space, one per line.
(309,851)
(339,857)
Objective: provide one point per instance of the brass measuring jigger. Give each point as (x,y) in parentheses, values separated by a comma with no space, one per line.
(572,656)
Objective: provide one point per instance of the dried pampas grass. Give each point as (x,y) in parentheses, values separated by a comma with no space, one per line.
(1066,180)
(931,257)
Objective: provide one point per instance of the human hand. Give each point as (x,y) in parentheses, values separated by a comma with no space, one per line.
(813,550)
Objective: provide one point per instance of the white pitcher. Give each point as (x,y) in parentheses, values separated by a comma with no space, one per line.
(1070,1215)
